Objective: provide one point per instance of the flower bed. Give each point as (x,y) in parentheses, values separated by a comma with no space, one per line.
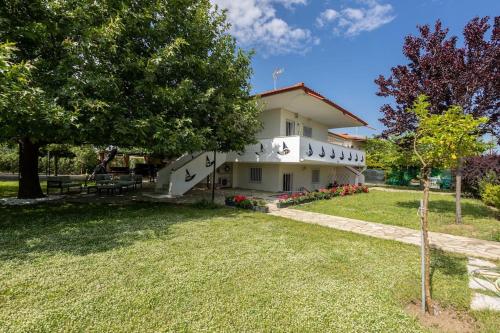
(304,197)
(242,201)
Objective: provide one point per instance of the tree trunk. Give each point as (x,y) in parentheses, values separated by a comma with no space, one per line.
(56,165)
(458,192)
(427,249)
(29,183)
(213,177)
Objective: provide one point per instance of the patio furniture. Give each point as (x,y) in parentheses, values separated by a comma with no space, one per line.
(138,180)
(62,182)
(101,179)
(109,187)
(434,182)
(126,181)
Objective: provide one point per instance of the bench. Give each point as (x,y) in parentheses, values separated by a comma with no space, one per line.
(126,181)
(62,182)
(138,180)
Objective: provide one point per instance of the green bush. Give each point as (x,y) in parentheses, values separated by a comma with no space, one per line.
(490,194)
(8,158)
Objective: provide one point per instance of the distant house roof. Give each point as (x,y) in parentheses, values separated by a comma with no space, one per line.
(314,94)
(346,136)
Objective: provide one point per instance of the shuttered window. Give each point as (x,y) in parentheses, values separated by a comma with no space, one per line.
(290,128)
(315,176)
(308,131)
(255,175)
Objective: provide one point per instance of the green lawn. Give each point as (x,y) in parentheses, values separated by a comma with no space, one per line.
(156,267)
(9,188)
(400,208)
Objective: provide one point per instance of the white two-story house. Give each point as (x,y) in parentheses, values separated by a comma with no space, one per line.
(294,150)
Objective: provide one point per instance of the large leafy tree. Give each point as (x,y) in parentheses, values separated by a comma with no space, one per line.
(388,154)
(28,117)
(467,76)
(164,75)
(437,142)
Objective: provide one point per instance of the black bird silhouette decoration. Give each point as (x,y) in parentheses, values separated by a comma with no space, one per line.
(261,150)
(322,152)
(350,157)
(332,155)
(285,150)
(362,158)
(189,177)
(342,155)
(209,163)
(310,151)
(356,158)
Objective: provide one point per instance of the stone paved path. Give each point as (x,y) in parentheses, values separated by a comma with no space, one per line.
(463,245)
(482,277)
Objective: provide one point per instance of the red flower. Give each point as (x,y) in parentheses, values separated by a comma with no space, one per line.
(239,198)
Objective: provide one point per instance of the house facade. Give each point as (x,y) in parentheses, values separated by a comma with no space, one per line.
(294,151)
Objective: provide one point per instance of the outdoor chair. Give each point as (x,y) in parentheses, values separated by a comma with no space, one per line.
(62,182)
(138,180)
(126,181)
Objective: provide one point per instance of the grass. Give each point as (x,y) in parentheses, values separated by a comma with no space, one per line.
(9,188)
(156,267)
(400,208)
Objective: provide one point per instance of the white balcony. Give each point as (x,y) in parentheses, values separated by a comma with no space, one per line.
(299,149)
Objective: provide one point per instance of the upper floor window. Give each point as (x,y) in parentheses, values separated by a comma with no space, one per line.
(308,131)
(290,128)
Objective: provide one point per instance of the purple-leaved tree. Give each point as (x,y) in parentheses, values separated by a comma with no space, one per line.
(467,76)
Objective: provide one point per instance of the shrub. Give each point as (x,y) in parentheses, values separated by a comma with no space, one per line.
(476,169)
(490,194)
(321,194)
(242,201)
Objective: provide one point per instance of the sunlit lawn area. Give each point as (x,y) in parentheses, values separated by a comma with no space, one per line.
(157,267)
(400,208)
(9,188)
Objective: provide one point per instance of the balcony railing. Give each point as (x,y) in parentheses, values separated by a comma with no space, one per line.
(297,149)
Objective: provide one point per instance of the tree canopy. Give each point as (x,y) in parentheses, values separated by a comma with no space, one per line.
(440,139)
(164,75)
(466,76)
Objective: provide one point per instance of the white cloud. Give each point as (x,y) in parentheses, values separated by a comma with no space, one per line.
(327,16)
(352,21)
(255,24)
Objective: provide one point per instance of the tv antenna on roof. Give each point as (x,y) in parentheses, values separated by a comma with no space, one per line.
(276,74)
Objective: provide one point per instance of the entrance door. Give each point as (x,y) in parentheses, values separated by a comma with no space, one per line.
(287,182)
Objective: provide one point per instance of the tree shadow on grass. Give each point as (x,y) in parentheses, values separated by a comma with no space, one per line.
(447,264)
(448,207)
(85,228)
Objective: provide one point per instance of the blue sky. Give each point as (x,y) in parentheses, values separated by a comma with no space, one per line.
(338,47)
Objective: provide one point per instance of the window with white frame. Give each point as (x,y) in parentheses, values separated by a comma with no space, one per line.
(308,131)
(315,176)
(290,128)
(255,175)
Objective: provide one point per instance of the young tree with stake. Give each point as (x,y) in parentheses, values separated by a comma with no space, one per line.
(438,141)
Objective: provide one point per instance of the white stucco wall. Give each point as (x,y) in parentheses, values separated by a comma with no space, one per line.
(274,125)
(271,121)
(319,131)
(270,177)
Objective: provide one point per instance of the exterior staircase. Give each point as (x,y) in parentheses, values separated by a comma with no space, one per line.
(188,170)
(358,174)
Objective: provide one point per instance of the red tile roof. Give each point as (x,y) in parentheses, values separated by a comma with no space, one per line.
(346,136)
(314,94)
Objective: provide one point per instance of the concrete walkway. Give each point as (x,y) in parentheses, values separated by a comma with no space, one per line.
(463,245)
